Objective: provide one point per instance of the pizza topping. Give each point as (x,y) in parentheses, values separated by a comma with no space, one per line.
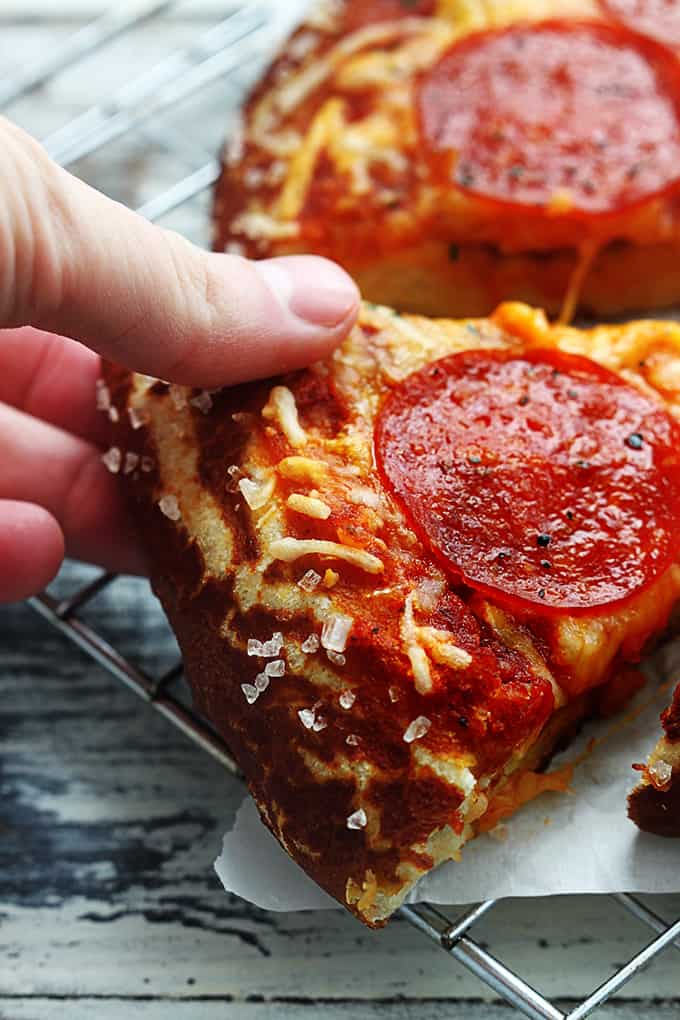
(309,506)
(659,19)
(112,460)
(282,409)
(584,110)
(250,692)
(557,473)
(347,699)
(337,658)
(358,820)
(311,644)
(169,507)
(276,668)
(660,774)
(290,549)
(261,682)
(417,729)
(335,632)
(256,494)
(131,462)
(310,581)
(138,418)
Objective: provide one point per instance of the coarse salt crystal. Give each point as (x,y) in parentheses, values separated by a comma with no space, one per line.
(347,699)
(309,581)
(103,395)
(178,396)
(255,647)
(275,668)
(335,632)
(319,724)
(271,648)
(112,460)
(358,820)
(203,402)
(256,494)
(262,682)
(311,644)
(661,773)
(131,462)
(169,506)
(147,464)
(394,694)
(352,740)
(251,693)
(337,658)
(137,418)
(417,729)
(113,415)
(307,717)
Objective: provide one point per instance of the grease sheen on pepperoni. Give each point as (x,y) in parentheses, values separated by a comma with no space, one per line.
(542,480)
(583,114)
(659,19)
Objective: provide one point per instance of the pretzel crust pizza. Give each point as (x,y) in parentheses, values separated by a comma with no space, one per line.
(401,577)
(455,153)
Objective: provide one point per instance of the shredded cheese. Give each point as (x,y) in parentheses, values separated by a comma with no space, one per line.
(290,549)
(328,123)
(309,506)
(281,408)
(303,469)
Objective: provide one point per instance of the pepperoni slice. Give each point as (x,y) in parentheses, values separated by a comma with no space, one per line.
(367,12)
(542,480)
(582,115)
(659,19)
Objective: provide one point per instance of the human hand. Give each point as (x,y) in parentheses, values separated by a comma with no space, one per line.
(76,264)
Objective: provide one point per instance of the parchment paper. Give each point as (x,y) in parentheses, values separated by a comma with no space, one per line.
(579,842)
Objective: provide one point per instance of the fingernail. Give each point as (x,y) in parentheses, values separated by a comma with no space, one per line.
(313,289)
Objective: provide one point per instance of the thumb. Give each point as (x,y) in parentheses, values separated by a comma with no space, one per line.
(77,263)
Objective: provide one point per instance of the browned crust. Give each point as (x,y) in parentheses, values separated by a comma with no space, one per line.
(653,808)
(657,811)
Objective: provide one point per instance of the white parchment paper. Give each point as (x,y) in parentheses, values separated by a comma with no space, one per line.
(580,842)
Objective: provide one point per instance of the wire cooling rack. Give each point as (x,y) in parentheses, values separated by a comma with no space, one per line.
(231,51)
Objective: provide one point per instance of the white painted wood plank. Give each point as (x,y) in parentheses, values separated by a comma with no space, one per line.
(86,1009)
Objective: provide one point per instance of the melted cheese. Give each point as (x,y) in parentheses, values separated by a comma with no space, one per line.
(290,549)
(328,123)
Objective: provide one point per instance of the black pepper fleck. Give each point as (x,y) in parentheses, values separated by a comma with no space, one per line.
(463,721)
(572,394)
(454,252)
(523,401)
(635,441)
(569,515)
(474,458)
(541,593)
(546,564)
(543,540)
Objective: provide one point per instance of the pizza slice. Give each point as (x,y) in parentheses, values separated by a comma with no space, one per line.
(401,577)
(452,154)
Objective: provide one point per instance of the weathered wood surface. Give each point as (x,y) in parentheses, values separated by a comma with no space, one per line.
(110,820)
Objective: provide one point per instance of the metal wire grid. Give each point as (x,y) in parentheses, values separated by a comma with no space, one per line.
(225,48)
